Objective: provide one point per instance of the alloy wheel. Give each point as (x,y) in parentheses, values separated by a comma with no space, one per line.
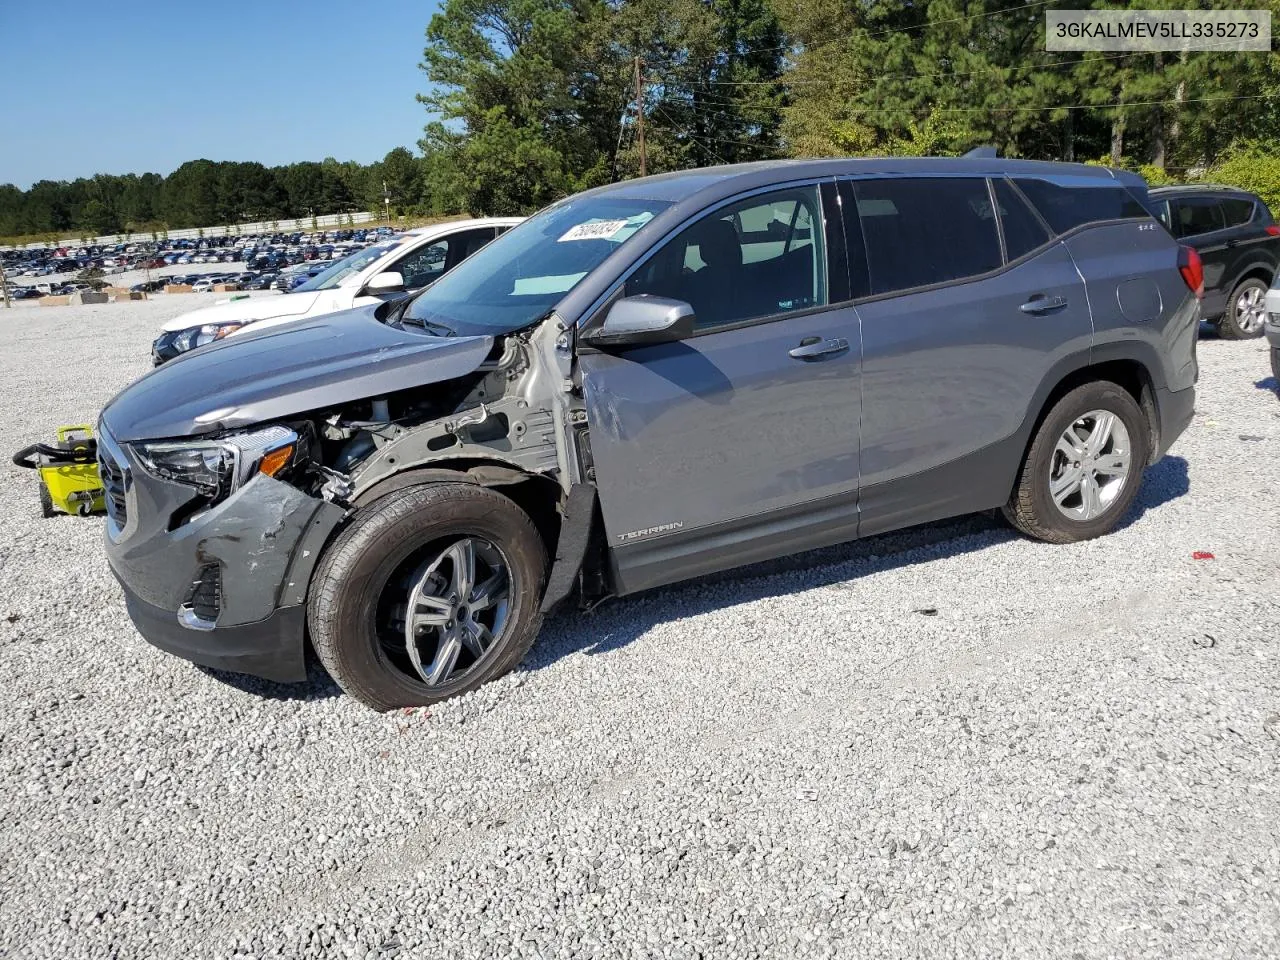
(1251,309)
(1090,465)
(447,608)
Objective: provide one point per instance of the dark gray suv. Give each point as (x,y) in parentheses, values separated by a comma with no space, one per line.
(645,383)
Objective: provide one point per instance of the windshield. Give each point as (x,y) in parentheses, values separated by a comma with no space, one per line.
(523,274)
(339,270)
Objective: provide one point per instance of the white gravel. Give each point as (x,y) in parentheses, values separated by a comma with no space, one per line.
(1076,756)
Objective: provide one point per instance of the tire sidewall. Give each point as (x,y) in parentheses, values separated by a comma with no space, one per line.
(1230,324)
(370,551)
(1097,396)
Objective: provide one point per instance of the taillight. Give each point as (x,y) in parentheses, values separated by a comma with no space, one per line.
(1273,229)
(1192,270)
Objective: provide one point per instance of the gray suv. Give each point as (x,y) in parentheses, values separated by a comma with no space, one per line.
(644,383)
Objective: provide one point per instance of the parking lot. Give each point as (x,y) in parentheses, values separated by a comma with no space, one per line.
(947,742)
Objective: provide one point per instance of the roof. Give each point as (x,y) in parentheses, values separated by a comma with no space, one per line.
(448,226)
(1185,188)
(733,178)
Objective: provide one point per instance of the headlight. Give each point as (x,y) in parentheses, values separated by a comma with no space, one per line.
(218,467)
(194,337)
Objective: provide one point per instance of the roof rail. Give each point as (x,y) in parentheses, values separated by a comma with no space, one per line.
(981,153)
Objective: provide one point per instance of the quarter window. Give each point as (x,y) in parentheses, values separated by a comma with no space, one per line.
(1196,215)
(1065,208)
(1237,210)
(756,258)
(927,230)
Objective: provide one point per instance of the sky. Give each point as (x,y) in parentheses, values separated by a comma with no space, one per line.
(134,87)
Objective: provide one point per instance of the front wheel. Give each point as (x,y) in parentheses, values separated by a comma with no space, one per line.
(429,593)
(1084,466)
(1246,311)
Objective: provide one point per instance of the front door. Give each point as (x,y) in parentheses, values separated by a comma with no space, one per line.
(739,443)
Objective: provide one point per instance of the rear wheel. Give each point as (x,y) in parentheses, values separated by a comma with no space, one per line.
(1084,466)
(1246,311)
(431,592)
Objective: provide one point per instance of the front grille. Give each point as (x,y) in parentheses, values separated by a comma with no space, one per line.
(115,483)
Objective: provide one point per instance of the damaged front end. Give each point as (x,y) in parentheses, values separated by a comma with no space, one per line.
(214,530)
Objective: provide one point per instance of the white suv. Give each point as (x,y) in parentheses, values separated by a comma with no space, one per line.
(392,267)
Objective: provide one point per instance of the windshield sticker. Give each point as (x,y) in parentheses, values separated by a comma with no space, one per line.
(596,230)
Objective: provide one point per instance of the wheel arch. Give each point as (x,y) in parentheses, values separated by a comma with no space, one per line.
(538,495)
(1122,364)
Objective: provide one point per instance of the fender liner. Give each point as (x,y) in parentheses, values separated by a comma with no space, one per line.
(578,522)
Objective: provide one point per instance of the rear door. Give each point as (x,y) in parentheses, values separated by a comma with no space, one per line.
(968,313)
(1250,244)
(739,443)
(1200,221)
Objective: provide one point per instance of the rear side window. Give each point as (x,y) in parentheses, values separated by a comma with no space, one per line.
(1195,215)
(1023,231)
(926,230)
(1065,208)
(1237,210)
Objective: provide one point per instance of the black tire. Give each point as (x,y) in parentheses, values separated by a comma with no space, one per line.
(1031,508)
(1229,326)
(46,503)
(349,583)
(1275,365)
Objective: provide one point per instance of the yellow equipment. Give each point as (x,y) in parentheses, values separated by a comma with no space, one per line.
(68,470)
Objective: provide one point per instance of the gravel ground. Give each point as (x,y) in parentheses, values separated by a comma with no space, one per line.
(950,742)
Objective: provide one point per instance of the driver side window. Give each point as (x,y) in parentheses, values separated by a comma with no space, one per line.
(756,258)
(423,265)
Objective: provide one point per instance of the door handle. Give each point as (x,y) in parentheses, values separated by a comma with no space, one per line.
(811,348)
(1041,304)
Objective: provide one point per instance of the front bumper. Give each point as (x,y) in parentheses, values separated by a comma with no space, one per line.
(227,588)
(1272,326)
(272,648)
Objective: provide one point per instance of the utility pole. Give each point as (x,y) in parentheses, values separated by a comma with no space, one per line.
(4,285)
(639,71)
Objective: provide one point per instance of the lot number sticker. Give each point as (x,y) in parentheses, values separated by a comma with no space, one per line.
(599,230)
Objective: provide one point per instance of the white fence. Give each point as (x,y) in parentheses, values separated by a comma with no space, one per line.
(325,222)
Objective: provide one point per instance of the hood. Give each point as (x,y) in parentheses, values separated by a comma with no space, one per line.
(286,370)
(254,308)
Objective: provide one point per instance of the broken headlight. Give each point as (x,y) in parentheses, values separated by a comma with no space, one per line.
(217,467)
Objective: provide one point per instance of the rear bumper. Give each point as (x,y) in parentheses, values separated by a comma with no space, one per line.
(272,648)
(1175,409)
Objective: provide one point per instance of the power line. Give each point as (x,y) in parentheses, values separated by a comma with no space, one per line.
(1042,109)
(784,81)
(714,156)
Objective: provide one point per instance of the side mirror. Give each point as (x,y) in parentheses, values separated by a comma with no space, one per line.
(385,282)
(643,319)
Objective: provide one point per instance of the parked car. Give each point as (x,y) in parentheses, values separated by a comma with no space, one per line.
(651,381)
(1239,245)
(369,276)
(1273,327)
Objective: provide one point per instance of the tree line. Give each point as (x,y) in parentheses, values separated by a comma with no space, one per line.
(534,99)
(206,192)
